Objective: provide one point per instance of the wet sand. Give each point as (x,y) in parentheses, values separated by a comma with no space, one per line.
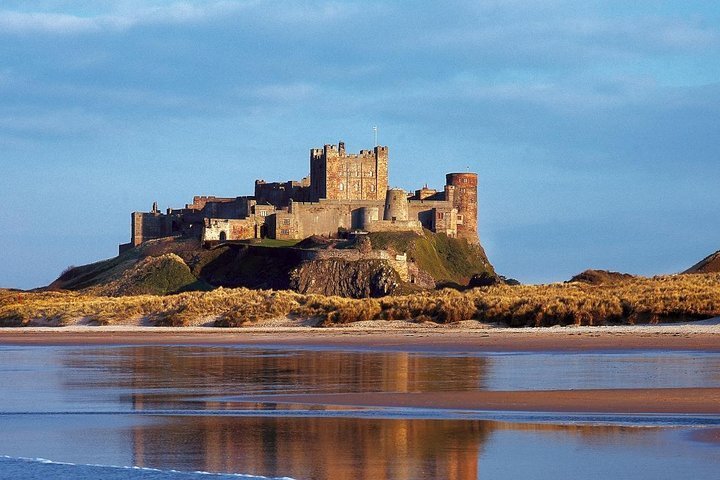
(631,401)
(445,340)
(666,337)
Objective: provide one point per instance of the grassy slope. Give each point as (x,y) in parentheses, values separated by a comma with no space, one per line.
(161,275)
(710,264)
(77,278)
(448,260)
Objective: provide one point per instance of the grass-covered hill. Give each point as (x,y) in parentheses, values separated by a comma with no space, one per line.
(174,265)
(447,260)
(710,264)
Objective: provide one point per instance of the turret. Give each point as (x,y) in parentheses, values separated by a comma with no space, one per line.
(396,205)
(464,198)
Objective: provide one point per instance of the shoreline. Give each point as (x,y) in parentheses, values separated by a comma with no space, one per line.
(678,337)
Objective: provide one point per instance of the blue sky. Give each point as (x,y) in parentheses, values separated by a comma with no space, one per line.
(593,125)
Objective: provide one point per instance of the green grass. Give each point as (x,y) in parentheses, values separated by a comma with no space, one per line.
(272,243)
(448,260)
(161,275)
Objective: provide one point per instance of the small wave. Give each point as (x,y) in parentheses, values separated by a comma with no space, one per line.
(124,468)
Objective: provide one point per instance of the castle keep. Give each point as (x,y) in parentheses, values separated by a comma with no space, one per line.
(344,192)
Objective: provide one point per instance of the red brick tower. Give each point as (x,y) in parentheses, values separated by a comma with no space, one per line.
(465,199)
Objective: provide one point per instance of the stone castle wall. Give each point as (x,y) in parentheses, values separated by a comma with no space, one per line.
(337,175)
(147,226)
(344,192)
(225,229)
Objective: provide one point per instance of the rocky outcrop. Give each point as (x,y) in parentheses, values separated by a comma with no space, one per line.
(601,277)
(484,279)
(355,279)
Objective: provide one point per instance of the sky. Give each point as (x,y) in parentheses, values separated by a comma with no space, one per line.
(594,126)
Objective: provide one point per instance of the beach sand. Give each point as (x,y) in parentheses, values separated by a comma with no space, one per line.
(397,336)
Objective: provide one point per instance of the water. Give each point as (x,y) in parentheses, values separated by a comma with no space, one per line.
(41,469)
(163,412)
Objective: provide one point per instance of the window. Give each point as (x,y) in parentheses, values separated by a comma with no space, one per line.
(341,187)
(440,215)
(284,232)
(286,221)
(263,213)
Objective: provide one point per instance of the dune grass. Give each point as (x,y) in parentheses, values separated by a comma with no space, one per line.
(637,300)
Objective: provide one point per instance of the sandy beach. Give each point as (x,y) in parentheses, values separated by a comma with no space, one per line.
(700,336)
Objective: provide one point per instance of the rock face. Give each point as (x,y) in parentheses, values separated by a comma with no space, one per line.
(710,264)
(356,279)
(484,279)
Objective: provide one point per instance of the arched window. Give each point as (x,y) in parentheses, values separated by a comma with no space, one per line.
(223,236)
(341,187)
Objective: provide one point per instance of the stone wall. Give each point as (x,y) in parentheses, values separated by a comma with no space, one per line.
(199,201)
(424,210)
(283,225)
(149,226)
(394,226)
(337,175)
(236,208)
(327,216)
(224,229)
(445,221)
(280,193)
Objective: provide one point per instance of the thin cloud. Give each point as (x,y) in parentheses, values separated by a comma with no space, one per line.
(13,22)
(18,22)
(127,15)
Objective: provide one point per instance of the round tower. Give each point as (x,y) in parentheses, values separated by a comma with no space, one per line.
(465,200)
(396,205)
(370,215)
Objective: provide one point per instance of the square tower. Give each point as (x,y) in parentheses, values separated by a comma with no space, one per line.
(336,175)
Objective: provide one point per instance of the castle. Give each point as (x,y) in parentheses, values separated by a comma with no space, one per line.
(344,192)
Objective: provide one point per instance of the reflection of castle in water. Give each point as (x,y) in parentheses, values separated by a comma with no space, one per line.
(315,447)
(320,447)
(303,447)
